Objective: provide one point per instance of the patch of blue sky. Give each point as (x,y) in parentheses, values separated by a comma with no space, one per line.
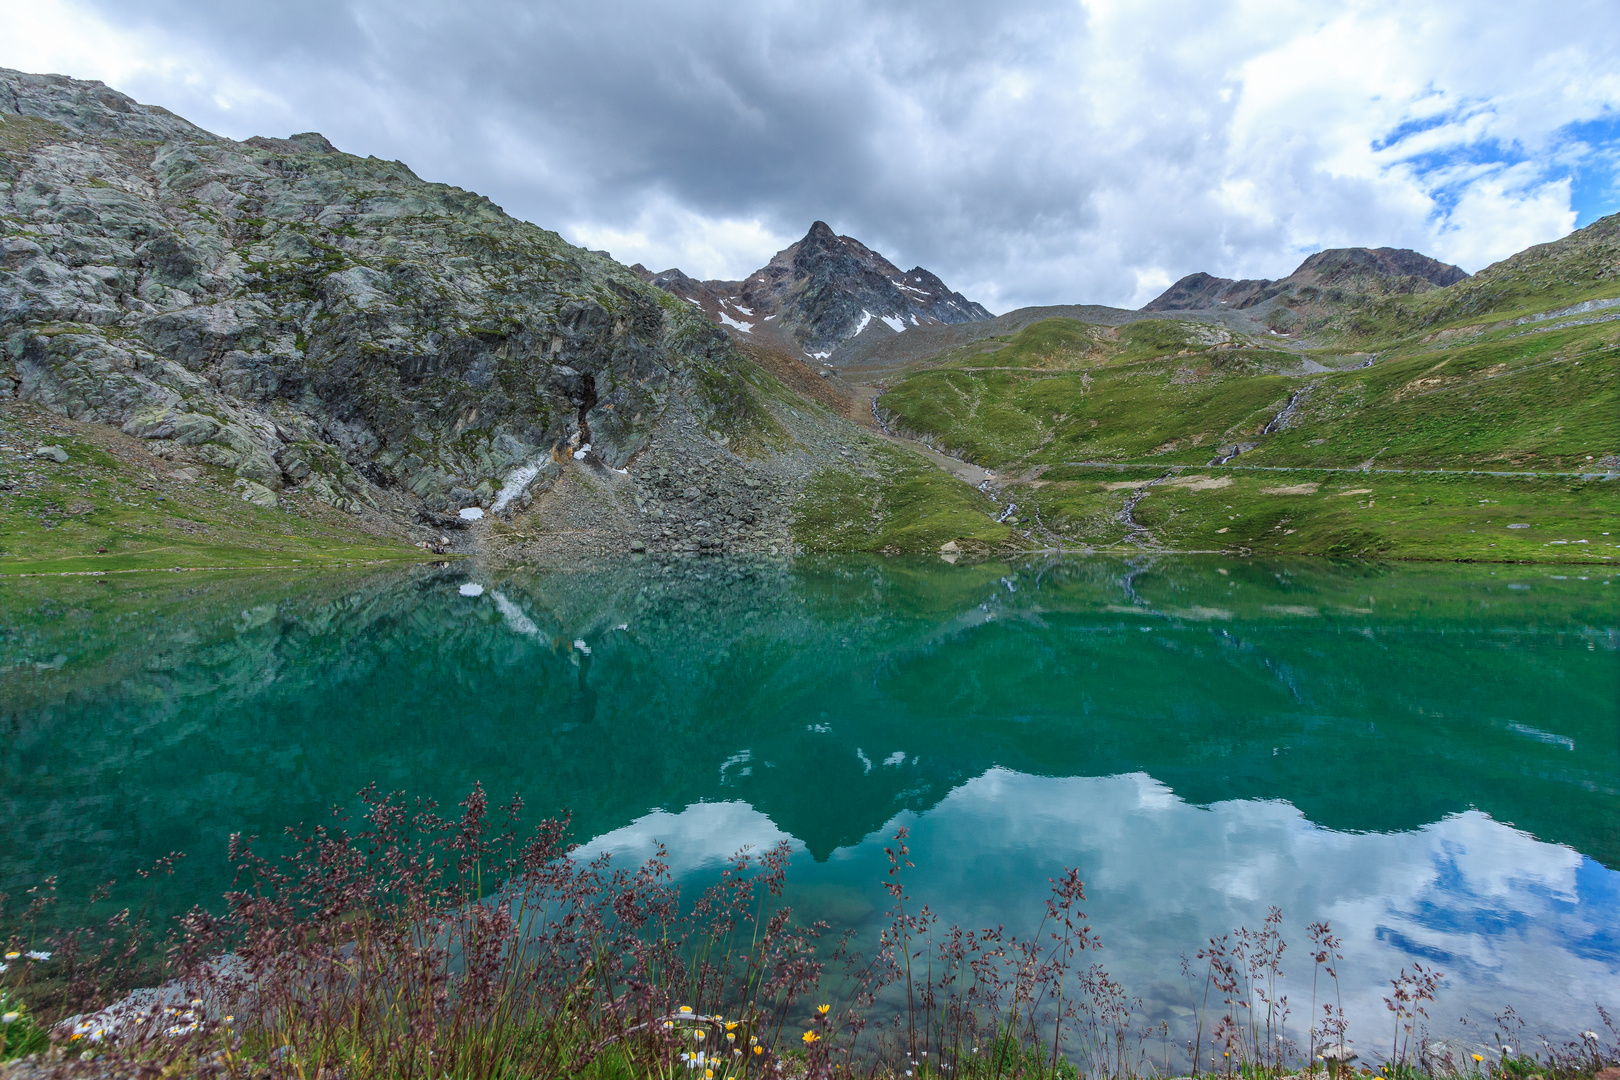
(1595,181)
(1598,888)
(1447,174)
(1585,153)
(1423,950)
(1410,128)
(1583,921)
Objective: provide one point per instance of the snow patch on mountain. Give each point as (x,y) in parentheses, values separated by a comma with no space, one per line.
(820,292)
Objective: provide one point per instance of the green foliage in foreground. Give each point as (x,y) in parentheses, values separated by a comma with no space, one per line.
(20,1031)
(905,505)
(419,945)
(1338,513)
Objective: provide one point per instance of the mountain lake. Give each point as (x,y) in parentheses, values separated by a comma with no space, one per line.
(1425,755)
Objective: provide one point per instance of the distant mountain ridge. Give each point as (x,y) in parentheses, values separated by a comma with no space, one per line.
(1380,271)
(820,292)
(1321,287)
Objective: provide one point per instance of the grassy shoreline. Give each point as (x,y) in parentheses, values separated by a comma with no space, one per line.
(247,568)
(111,506)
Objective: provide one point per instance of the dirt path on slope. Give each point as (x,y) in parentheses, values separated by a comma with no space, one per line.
(864,412)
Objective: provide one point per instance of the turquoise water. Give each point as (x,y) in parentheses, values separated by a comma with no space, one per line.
(1427,756)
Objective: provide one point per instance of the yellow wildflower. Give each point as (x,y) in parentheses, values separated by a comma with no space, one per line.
(759,1049)
(822,1009)
(699,1034)
(731,1025)
(1479,1057)
(686,1008)
(810,1037)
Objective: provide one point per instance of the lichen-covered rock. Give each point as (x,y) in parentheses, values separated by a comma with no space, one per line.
(318,321)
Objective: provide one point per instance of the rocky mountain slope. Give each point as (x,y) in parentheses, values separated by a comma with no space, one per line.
(1581,267)
(304,317)
(312,328)
(822,292)
(356,359)
(1323,285)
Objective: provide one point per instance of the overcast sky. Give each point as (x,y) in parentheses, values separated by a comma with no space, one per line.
(1028,152)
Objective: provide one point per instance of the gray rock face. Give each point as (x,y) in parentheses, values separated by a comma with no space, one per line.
(313,320)
(821,292)
(1361,271)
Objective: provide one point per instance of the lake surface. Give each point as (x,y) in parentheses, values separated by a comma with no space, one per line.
(1428,756)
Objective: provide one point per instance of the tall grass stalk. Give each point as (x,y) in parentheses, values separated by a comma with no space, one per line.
(402,944)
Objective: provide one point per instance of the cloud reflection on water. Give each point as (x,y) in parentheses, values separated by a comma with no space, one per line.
(1511,920)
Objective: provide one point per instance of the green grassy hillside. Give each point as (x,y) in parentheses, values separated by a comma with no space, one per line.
(1515,370)
(1546,401)
(1584,265)
(1326,512)
(899,503)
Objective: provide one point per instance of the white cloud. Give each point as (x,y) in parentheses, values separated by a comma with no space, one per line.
(701,837)
(665,234)
(61,37)
(1502,914)
(1499,912)
(1494,213)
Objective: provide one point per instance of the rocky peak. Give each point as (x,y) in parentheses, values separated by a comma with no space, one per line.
(1342,265)
(822,291)
(90,108)
(307,142)
(1342,272)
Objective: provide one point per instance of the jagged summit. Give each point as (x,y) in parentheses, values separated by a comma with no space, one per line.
(1317,294)
(1336,265)
(822,291)
(1372,271)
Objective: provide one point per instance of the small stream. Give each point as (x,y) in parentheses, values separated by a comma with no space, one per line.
(1277,423)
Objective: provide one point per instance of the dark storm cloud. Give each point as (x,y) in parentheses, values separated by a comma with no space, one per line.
(1028,152)
(729,109)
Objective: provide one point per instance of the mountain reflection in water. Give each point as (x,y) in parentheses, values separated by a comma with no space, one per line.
(1429,756)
